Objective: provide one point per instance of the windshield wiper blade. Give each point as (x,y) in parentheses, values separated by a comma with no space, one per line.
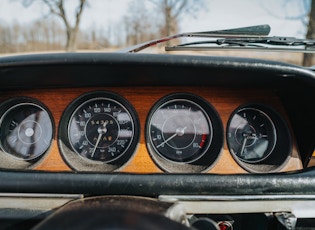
(252,31)
(245,43)
(282,41)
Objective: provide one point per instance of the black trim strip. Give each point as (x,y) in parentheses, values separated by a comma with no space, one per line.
(154,185)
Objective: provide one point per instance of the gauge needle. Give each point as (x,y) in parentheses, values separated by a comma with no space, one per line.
(247,137)
(243,145)
(179,132)
(101,130)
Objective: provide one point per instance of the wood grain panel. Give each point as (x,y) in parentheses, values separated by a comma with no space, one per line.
(225,101)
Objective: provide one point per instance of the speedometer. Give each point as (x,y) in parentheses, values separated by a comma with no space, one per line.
(101,129)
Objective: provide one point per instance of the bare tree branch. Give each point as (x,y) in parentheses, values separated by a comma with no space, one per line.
(57,8)
(139,24)
(304,6)
(307,17)
(79,12)
(180,8)
(172,10)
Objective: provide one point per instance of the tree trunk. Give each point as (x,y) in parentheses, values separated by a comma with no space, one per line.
(309,59)
(71,45)
(168,26)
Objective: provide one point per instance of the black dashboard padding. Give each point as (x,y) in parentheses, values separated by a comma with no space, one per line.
(72,69)
(153,185)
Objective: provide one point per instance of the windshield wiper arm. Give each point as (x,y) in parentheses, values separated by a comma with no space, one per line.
(252,31)
(246,41)
(282,41)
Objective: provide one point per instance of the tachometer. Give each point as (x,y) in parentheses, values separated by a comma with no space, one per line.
(99,131)
(184,133)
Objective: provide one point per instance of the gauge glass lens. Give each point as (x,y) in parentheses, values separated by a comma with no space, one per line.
(251,135)
(180,131)
(26,131)
(101,129)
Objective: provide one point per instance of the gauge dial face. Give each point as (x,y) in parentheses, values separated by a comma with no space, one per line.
(180,130)
(101,129)
(26,130)
(251,135)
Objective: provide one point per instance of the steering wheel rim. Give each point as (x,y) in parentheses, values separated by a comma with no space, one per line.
(111,213)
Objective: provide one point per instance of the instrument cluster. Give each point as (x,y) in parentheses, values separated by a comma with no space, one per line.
(183,132)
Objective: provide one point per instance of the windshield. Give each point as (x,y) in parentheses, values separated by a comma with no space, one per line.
(32,26)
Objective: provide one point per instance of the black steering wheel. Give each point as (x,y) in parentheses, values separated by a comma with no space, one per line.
(112,213)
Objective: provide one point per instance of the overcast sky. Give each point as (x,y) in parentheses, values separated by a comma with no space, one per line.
(220,14)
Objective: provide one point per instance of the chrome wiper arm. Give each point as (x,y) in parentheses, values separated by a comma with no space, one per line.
(281,41)
(252,31)
(246,43)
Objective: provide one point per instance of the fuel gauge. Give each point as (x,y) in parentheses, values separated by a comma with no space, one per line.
(26,129)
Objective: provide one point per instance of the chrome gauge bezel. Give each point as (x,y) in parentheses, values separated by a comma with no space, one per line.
(258,130)
(277,153)
(9,160)
(214,142)
(79,162)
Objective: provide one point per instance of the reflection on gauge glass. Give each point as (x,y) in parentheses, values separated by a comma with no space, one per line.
(184,133)
(102,128)
(26,130)
(251,135)
(180,131)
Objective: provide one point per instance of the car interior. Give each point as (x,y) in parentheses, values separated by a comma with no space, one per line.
(155,141)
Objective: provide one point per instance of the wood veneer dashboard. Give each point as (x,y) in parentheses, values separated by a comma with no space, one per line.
(228,84)
(224,100)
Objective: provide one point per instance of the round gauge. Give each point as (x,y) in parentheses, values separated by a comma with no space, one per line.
(251,135)
(26,128)
(100,128)
(181,129)
(255,134)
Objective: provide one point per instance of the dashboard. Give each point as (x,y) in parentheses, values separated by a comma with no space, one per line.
(194,131)
(70,147)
